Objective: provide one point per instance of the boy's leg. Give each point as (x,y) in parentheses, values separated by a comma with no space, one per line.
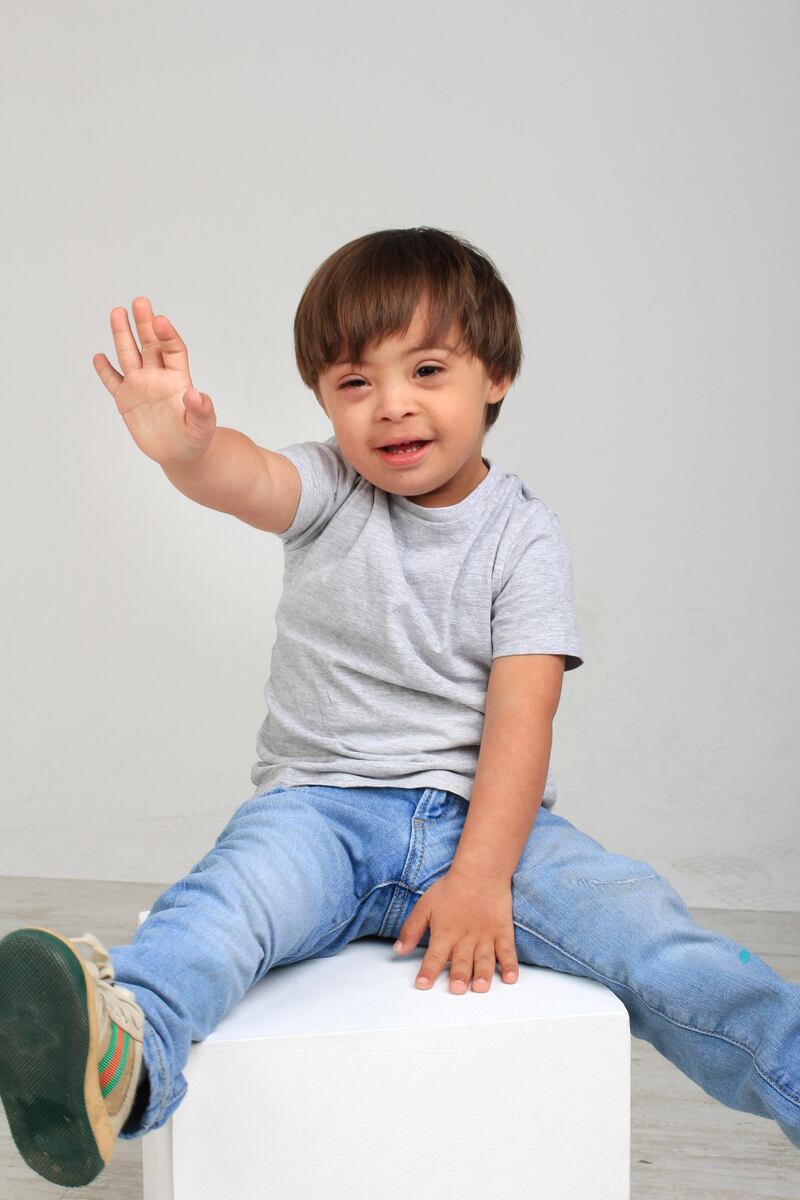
(288,879)
(712,1007)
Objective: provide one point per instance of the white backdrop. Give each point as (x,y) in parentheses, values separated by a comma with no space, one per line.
(632,170)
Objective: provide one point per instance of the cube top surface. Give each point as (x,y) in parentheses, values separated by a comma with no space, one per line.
(368,986)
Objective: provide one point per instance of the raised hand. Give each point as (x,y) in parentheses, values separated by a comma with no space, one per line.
(170,421)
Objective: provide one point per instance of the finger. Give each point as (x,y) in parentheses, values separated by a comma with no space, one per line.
(128,355)
(484,966)
(507,957)
(463,959)
(110,377)
(413,928)
(199,403)
(198,408)
(172,346)
(151,345)
(433,962)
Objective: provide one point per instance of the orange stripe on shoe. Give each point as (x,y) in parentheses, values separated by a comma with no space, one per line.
(109,1067)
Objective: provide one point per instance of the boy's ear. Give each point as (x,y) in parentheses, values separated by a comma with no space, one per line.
(499,390)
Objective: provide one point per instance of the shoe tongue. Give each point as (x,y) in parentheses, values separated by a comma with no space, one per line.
(103,971)
(108,998)
(97,958)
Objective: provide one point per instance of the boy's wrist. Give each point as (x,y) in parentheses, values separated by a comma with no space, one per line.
(187,468)
(226,476)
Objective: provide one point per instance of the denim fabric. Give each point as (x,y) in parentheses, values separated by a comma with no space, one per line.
(300,872)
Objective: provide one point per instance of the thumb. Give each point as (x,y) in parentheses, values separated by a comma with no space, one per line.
(412,930)
(198,404)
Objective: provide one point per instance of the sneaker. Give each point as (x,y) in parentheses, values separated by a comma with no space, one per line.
(70,1052)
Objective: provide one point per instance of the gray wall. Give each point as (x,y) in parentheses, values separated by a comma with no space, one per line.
(632,169)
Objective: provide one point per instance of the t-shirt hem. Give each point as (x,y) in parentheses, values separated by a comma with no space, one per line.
(445,781)
(573,653)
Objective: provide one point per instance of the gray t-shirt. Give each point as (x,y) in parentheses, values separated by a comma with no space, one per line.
(390,616)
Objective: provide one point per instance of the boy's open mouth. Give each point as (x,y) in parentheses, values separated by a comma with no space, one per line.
(406,453)
(404,446)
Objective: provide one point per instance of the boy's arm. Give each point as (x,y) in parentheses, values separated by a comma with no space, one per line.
(470,907)
(521,702)
(234,475)
(176,425)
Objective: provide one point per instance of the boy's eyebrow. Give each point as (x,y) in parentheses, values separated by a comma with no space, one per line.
(411,350)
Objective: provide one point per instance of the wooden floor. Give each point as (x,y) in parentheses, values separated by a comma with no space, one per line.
(684,1144)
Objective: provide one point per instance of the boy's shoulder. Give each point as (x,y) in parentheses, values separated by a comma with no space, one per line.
(326,481)
(526,508)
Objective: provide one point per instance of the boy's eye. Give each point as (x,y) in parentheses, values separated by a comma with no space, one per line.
(428,367)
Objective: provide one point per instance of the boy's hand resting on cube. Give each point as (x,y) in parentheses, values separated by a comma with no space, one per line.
(471,926)
(170,421)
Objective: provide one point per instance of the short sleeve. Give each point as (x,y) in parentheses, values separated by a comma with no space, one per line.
(326,480)
(534,609)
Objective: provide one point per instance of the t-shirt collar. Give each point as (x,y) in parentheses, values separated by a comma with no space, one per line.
(452,512)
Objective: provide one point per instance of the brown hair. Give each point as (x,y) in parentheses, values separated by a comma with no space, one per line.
(370,288)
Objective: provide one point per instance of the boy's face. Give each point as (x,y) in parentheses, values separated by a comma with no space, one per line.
(396,395)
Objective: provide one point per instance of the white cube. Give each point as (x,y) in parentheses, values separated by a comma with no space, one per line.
(336,1079)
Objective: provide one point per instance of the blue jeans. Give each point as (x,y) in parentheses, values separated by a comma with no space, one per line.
(300,872)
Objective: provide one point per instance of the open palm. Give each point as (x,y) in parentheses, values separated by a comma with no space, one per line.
(170,421)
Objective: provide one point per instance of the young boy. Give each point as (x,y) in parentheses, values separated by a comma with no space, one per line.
(402,787)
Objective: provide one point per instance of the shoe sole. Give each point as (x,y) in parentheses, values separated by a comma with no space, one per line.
(49,1054)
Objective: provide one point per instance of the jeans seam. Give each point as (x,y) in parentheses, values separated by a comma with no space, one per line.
(417,845)
(162,1070)
(421,855)
(681,1025)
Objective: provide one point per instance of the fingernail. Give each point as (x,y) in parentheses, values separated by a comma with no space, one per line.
(398,945)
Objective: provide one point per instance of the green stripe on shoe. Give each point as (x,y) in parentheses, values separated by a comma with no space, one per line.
(114,1060)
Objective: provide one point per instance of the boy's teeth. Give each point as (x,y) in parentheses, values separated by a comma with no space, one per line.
(404,446)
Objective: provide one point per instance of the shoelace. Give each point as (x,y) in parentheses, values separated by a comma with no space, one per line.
(101,968)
